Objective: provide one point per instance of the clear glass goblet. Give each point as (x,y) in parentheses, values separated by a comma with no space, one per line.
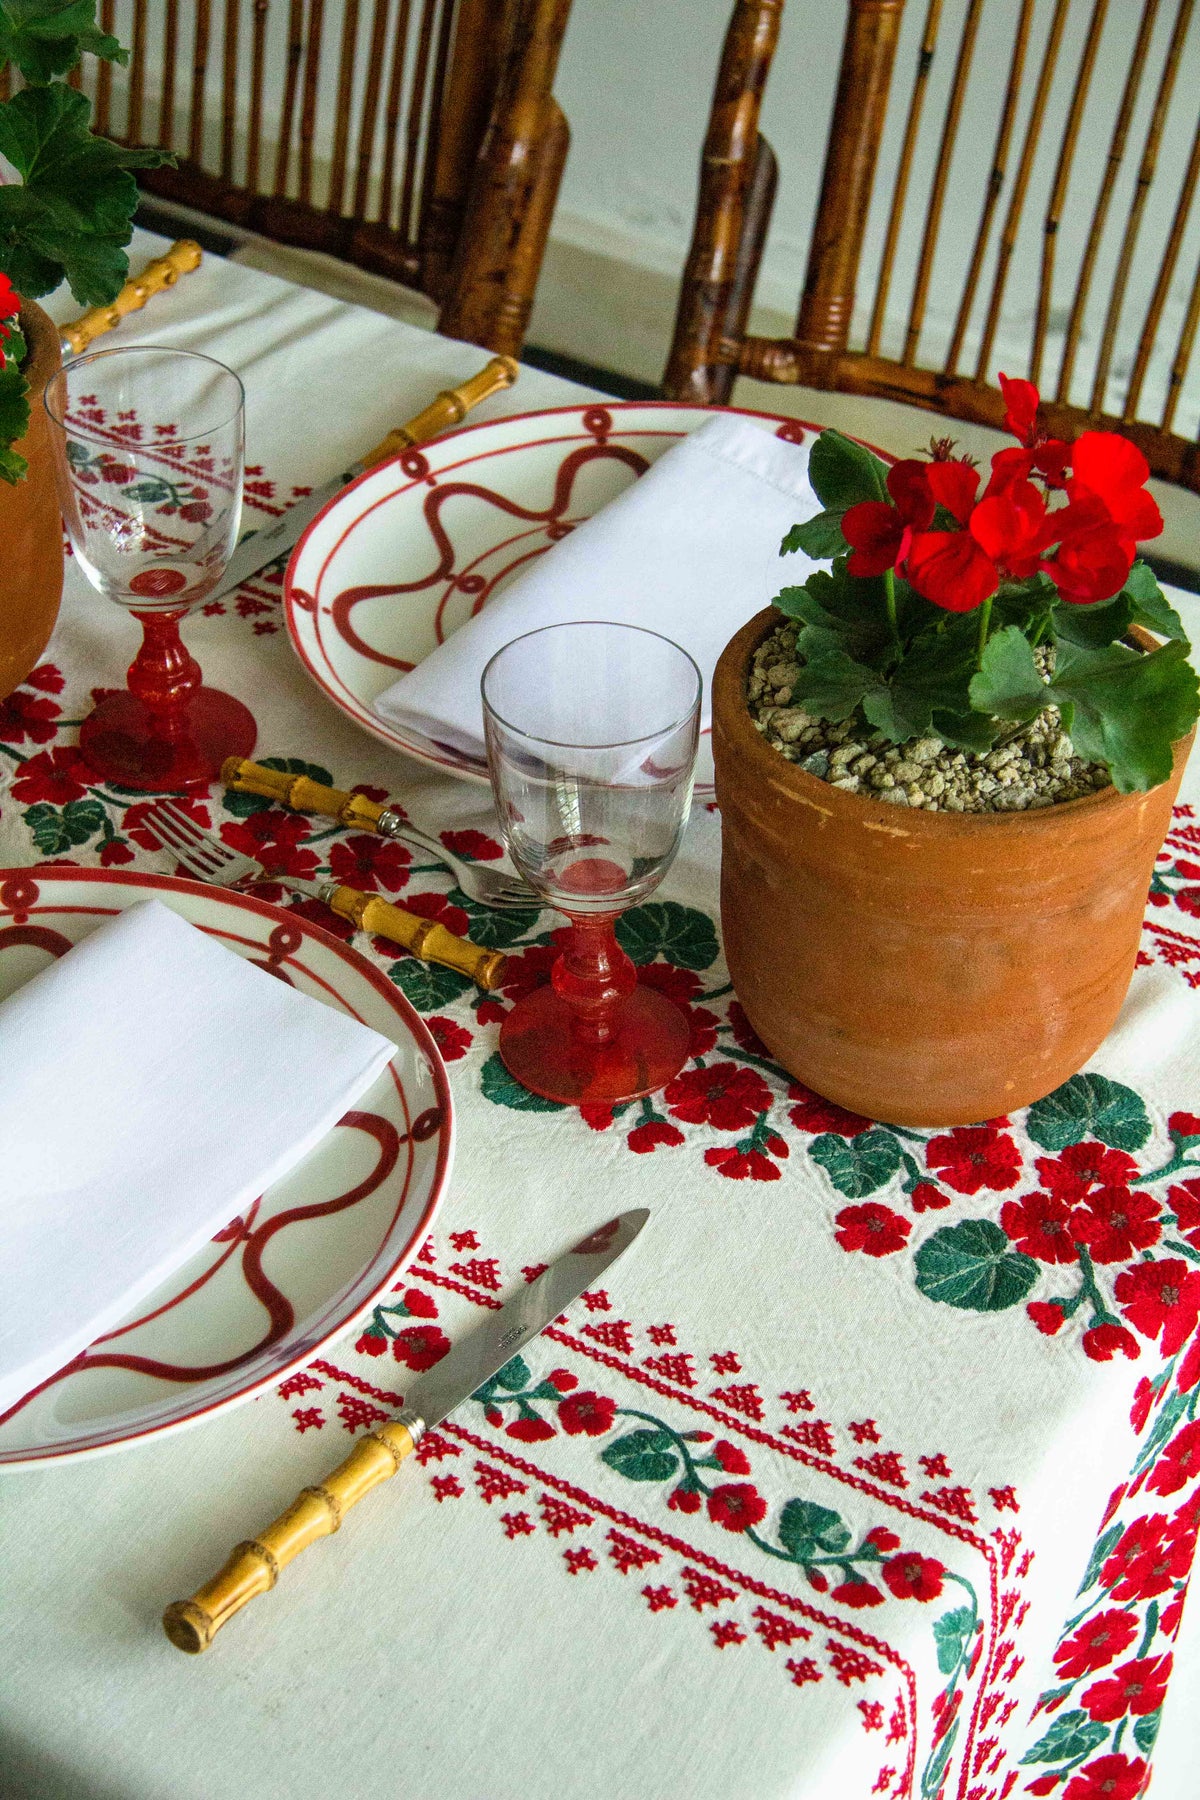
(591,734)
(149,457)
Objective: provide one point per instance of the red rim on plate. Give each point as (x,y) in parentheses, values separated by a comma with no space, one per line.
(146,1384)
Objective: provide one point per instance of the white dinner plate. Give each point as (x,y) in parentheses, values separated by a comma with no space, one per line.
(311,1257)
(404,555)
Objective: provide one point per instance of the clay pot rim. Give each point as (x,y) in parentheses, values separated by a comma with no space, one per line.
(41,335)
(729,701)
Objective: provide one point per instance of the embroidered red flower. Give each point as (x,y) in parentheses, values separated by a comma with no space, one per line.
(274,838)
(1108,1778)
(1096,1644)
(114,853)
(371,1343)
(1184,1202)
(420,1346)
(436,906)
(364,861)
(1075,1171)
(1180,1124)
(57,776)
(1040,1226)
(28,716)
(133,822)
(652,1135)
(744,1034)
(1103,1342)
(563,1380)
(872,1228)
(731,1459)
(1136,1687)
(913,1577)
(526,970)
(857,1594)
(684,1500)
(1150,1556)
(315,911)
(1144,1396)
(737,1505)
(817,1115)
(974,1157)
(452,1040)
(1188,1373)
(925,1197)
(680,985)
(1172,1615)
(530,1431)
(741,1165)
(1161,1296)
(722,1095)
(885,1541)
(879,535)
(475,846)
(587,1413)
(418,1304)
(1178,1463)
(1046,1316)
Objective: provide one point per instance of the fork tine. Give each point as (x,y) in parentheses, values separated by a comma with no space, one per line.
(197,853)
(187,828)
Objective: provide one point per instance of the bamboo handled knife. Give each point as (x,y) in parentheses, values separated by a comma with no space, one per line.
(450,408)
(317,1511)
(163,272)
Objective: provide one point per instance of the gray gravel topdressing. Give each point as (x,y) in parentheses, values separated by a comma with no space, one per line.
(1034,766)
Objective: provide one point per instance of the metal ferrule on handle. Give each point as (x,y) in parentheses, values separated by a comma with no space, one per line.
(317,1512)
(163,272)
(303,795)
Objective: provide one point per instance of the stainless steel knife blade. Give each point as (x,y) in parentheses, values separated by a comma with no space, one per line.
(272,542)
(475,1358)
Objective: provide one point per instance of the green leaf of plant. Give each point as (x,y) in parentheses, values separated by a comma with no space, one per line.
(833,686)
(843,473)
(1093,627)
(837,603)
(488,926)
(1145,1731)
(951,1633)
(972,1265)
(819,537)
(14,419)
(45,37)
(1128,709)
(1089,1106)
(1008,685)
(503,1089)
(681,934)
(71,216)
(1071,1737)
(807,1530)
(1102,1549)
(857,1166)
(56,830)
(428,986)
(934,674)
(965,731)
(647,1455)
(1150,605)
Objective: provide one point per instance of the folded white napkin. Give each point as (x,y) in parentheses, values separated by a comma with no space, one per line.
(154,1085)
(691,550)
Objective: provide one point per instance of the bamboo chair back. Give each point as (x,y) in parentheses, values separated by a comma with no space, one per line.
(417,138)
(1008,186)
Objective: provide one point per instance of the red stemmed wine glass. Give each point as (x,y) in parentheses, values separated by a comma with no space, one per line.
(591,733)
(149,455)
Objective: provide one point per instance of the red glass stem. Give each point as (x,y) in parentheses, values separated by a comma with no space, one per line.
(164,674)
(593,975)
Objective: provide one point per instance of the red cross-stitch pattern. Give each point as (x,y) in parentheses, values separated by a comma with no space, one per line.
(307,1417)
(299,1383)
(883,1780)
(676,1368)
(1004,1499)
(897,1724)
(872,1714)
(446,1487)
(703,1590)
(725,1362)
(355,1412)
(744,1399)
(482,1272)
(953,1500)
(496,1484)
(658,1598)
(559,1516)
(614,1334)
(464,1240)
(517,1524)
(725,1632)
(814,1434)
(579,1559)
(434,1448)
(661,1334)
(596,1300)
(865,1432)
(774,1629)
(531,1271)
(802,1669)
(802,1401)
(885,1465)
(849,1664)
(628,1554)
(1009,1542)
(935,1466)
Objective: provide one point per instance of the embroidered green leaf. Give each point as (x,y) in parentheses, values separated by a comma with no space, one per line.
(808,1530)
(46,40)
(936,1767)
(488,926)
(427,986)
(1071,1737)
(1102,1549)
(1145,1731)
(681,934)
(972,1265)
(857,1166)
(951,1634)
(514,1375)
(242,805)
(503,1089)
(1089,1106)
(843,472)
(647,1455)
(56,830)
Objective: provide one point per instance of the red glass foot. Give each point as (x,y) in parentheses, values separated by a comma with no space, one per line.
(166,730)
(593,1034)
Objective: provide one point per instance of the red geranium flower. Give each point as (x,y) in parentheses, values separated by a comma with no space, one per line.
(1184,1202)
(1080,1167)
(1151,1555)
(741,1165)
(10,304)
(873,1228)
(452,1040)
(1113,1223)
(530,1431)
(913,1577)
(878,534)
(1095,1644)
(731,1459)
(420,1346)
(1039,1225)
(587,1413)
(655,1132)
(1046,1316)
(721,1095)
(365,861)
(817,1115)
(1102,1342)
(684,1500)
(737,1505)
(1161,1297)
(857,1593)
(58,776)
(1136,1687)
(31,716)
(1115,472)
(974,1157)
(475,846)
(1108,1778)
(884,1540)
(1178,1463)
(1021,402)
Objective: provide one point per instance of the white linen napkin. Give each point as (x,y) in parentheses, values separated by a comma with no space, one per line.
(691,550)
(155,1083)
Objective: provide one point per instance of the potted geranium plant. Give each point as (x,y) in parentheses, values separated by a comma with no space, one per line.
(945,766)
(67,216)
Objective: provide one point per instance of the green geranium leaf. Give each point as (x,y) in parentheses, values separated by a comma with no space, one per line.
(857,1166)
(1089,1106)
(965,731)
(819,537)
(933,675)
(951,1634)
(14,421)
(1071,1737)
(680,934)
(1145,1731)
(807,1530)
(55,830)
(427,986)
(643,1456)
(488,926)
(1150,605)
(1093,627)
(45,37)
(73,214)
(1127,709)
(1009,685)
(833,685)
(972,1265)
(851,612)
(503,1089)
(843,473)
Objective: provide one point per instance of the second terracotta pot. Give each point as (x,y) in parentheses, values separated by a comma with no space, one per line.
(923,968)
(31,566)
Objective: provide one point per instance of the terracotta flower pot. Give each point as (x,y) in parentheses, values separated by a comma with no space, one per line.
(923,968)
(31,566)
